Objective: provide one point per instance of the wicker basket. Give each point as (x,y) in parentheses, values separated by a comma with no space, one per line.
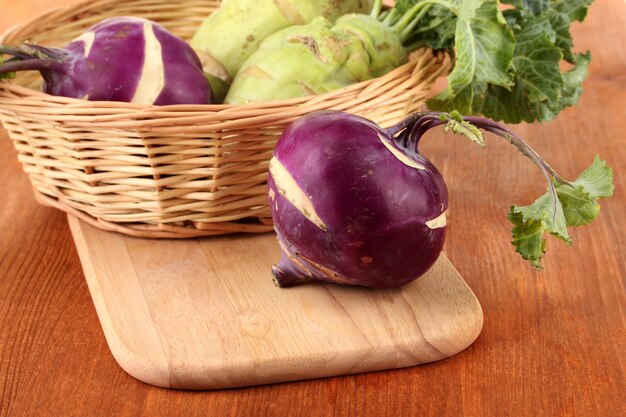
(171,171)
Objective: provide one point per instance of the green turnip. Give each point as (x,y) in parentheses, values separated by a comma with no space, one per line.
(227,37)
(320,57)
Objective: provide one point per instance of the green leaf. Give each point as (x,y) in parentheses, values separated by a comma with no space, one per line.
(579,207)
(528,238)
(565,12)
(579,197)
(560,14)
(549,212)
(508,63)
(484,48)
(436,29)
(575,205)
(533,6)
(572,82)
(537,60)
(538,79)
(541,90)
(597,179)
(403,6)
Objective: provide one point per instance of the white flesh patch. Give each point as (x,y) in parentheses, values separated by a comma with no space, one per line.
(398,154)
(288,188)
(153,72)
(87,38)
(213,66)
(437,222)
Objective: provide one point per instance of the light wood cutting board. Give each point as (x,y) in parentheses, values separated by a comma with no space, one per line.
(205,313)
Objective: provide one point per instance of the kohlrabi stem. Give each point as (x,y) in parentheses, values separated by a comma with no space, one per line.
(419,123)
(32,57)
(416,45)
(410,15)
(411,31)
(390,17)
(530,153)
(53,53)
(403,124)
(31,64)
(16,52)
(31,51)
(502,131)
(408,30)
(422,126)
(376,8)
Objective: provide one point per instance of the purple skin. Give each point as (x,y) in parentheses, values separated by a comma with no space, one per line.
(113,69)
(375,207)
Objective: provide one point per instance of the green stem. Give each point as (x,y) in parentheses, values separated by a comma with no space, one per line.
(410,15)
(376,8)
(435,23)
(416,45)
(422,42)
(390,18)
(408,30)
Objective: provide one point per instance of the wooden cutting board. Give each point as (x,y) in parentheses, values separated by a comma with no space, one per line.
(205,313)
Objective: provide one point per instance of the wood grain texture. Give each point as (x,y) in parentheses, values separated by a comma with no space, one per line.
(552,342)
(205,313)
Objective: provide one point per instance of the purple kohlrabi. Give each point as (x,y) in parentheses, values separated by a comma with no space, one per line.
(350,206)
(125,59)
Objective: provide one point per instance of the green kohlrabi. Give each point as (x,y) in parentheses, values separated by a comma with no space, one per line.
(320,57)
(227,37)
(317,58)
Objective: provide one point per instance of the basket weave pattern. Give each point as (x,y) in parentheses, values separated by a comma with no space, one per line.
(170,171)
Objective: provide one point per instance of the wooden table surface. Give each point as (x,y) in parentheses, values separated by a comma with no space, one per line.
(553,341)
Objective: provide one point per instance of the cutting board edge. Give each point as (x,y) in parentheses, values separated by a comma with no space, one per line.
(135,365)
(131,362)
